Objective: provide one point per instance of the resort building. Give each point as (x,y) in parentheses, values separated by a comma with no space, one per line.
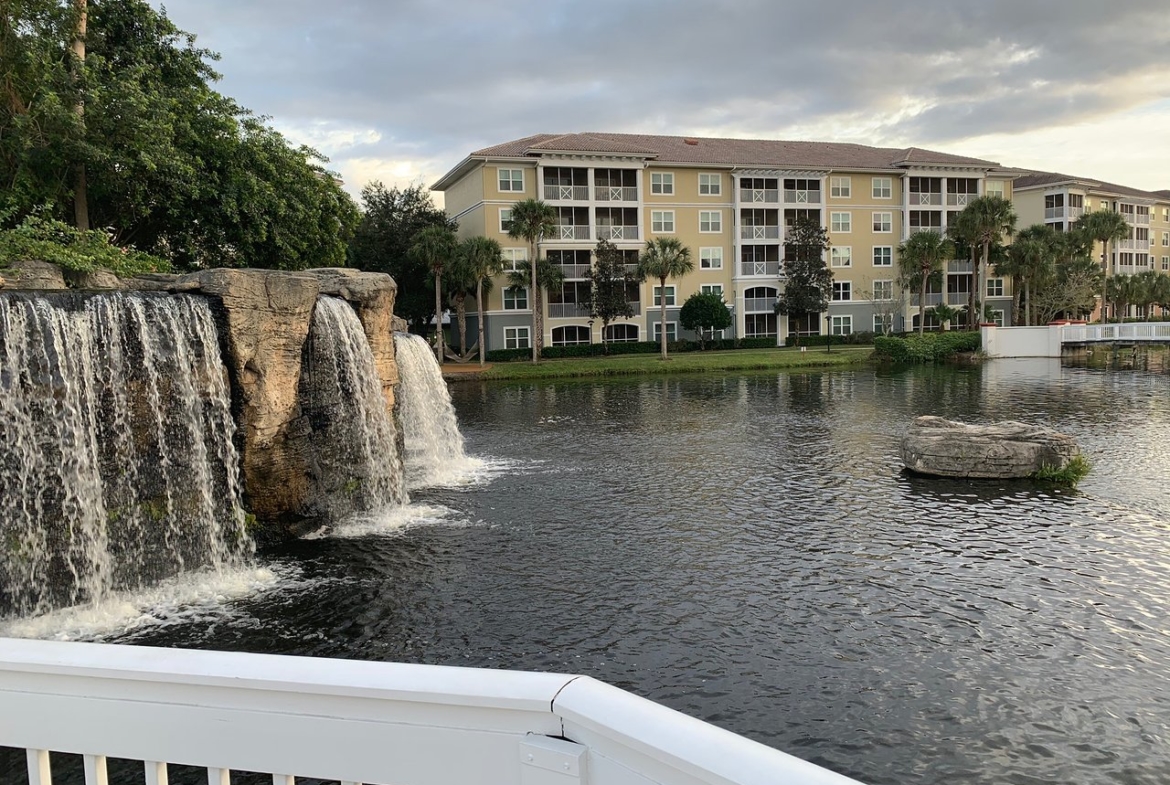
(730,201)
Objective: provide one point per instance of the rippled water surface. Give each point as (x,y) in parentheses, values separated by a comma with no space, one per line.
(748,550)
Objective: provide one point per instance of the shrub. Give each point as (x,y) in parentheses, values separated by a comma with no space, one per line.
(47,240)
(851,339)
(1072,473)
(926,348)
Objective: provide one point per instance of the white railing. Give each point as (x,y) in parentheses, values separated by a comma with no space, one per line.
(567,310)
(617,233)
(927,198)
(1138,331)
(802,197)
(1133,245)
(957,298)
(570,232)
(636,305)
(759,232)
(759,305)
(932,298)
(1075,213)
(572,193)
(759,268)
(764,195)
(959,266)
(1053,212)
(615,193)
(959,200)
(574,270)
(357,722)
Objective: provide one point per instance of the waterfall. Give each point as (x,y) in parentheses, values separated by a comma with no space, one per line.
(354,459)
(117,465)
(433,444)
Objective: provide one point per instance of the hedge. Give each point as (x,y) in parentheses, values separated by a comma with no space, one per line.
(627,347)
(926,348)
(852,339)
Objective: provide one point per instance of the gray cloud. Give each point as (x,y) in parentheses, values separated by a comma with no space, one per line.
(438,80)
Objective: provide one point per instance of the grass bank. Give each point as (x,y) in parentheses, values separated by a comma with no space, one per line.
(688,362)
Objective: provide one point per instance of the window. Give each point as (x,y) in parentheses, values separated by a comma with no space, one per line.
(662,221)
(883,222)
(997,318)
(883,188)
(1166,262)
(1104,205)
(505,219)
(712,288)
(516,298)
(883,290)
(1166,215)
(662,183)
(570,335)
(621,333)
(841,256)
(883,256)
(710,221)
(515,259)
(671,331)
(995,287)
(710,184)
(840,187)
(710,258)
(669,295)
(840,325)
(842,291)
(993,188)
(511,179)
(1166,239)
(516,338)
(883,322)
(841,222)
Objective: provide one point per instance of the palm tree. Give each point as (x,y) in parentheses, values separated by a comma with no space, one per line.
(549,277)
(961,229)
(1030,260)
(1106,227)
(435,247)
(1152,290)
(532,220)
(664,257)
(989,219)
(483,259)
(921,256)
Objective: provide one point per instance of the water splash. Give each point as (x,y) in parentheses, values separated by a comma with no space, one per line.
(117,465)
(433,445)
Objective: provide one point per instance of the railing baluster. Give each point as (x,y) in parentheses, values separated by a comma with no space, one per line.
(156,772)
(219,776)
(95,770)
(38,767)
(283,779)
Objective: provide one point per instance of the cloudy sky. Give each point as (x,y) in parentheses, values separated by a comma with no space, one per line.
(402,90)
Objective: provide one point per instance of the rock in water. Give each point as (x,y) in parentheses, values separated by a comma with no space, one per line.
(944,448)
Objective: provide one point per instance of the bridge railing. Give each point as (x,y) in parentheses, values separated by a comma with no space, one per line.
(1133,331)
(357,722)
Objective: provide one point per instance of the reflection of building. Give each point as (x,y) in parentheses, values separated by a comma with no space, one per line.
(730,201)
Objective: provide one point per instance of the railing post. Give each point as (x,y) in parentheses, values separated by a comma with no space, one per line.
(39,772)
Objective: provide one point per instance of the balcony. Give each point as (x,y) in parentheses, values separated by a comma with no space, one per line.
(567,311)
(960,266)
(566,193)
(1133,245)
(956,298)
(617,233)
(615,193)
(762,195)
(909,230)
(571,271)
(958,200)
(1074,213)
(802,197)
(925,198)
(1052,213)
(759,232)
(636,306)
(932,298)
(759,305)
(760,268)
(569,232)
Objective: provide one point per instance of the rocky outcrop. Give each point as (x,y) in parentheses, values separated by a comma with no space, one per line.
(94,280)
(31,274)
(1003,450)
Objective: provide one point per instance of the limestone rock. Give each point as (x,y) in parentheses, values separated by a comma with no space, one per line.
(399,325)
(941,447)
(94,280)
(32,274)
(164,282)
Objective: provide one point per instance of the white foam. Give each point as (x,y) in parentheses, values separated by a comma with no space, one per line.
(394,520)
(463,472)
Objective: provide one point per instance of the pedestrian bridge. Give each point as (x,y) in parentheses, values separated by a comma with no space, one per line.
(1051,340)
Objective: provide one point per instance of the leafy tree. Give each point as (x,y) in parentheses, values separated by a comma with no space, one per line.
(435,247)
(921,257)
(985,221)
(962,230)
(391,220)
(1105,227)
(532,220)
(50,240)
(809,280)
(610,284)
(549,277)
(1031,261)
(1156,290)
(482,258)
(704,312)
(1072,291)
(664,257)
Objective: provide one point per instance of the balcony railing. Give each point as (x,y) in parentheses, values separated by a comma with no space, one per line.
(932,298)
(763,195)
(802,197)
(1053,212)
(927,198)
(1075,213)
(957,298)
(615,193)
(959,266)
(574,270)
(567,310)
(959,200)
(1133,245)
(759,305)
(636,305)
(759,232)
(1135,218)
(909,230)
(566,193)
(569,232)
(617,233)
(759,268)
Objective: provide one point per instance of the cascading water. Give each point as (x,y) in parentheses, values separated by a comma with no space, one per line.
(433,444)
(354,459)
(117,466)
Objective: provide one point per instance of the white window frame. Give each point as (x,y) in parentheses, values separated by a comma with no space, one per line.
(671,296)
(882,187)
(997,317)
(883,223)
(845,289)
(995,284)
(514,307)
(511,180)
(713,226)
(660,219)
(841,256)
(662,183)
(521,336)
(841,187)
(888,259)
(564,328)
(711,258)
(883,323)
(671,331)
(841,324)
(514,258)
(1166,239)
(505,218)
(887,287)
(712,288)
(712,182)
(994,188)
(1166,262)
(841,223)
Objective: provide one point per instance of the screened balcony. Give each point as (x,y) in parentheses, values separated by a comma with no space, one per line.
(617,223)
(572,224)
(615,185)
(562,183)
(759,190)
(759,224)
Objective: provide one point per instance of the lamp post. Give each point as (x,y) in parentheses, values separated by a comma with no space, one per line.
(590,337)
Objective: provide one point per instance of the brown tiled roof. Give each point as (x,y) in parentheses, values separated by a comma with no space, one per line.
(1034,179)
(1165,193)
(731,152)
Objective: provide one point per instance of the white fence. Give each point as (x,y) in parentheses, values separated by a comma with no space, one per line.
(357,722)
(1048,340)
(1136,331)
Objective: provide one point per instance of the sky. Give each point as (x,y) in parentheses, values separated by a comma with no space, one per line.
(401,91)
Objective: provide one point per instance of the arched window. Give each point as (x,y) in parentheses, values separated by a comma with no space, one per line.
(570,335)
(759,299)
(621,333)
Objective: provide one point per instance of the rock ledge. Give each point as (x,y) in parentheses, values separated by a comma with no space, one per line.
(1002,450)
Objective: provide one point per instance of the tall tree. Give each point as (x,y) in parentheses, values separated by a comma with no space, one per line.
(963,232)
(1105,227)
(391,220)
(664,257)
(922,256)
(532,220)
(80,191)
(1031,261)
(989,220)
(704,312)
(434,247)
(610,283)
(549,277)
(483,259)
(809,282)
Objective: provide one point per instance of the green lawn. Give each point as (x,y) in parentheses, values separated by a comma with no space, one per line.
(688,362)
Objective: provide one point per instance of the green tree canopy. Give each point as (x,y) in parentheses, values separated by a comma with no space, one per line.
(704,313)
(664,257)
(1106,227)
(809,280)
(533,220)
(612,287)
(921,257)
